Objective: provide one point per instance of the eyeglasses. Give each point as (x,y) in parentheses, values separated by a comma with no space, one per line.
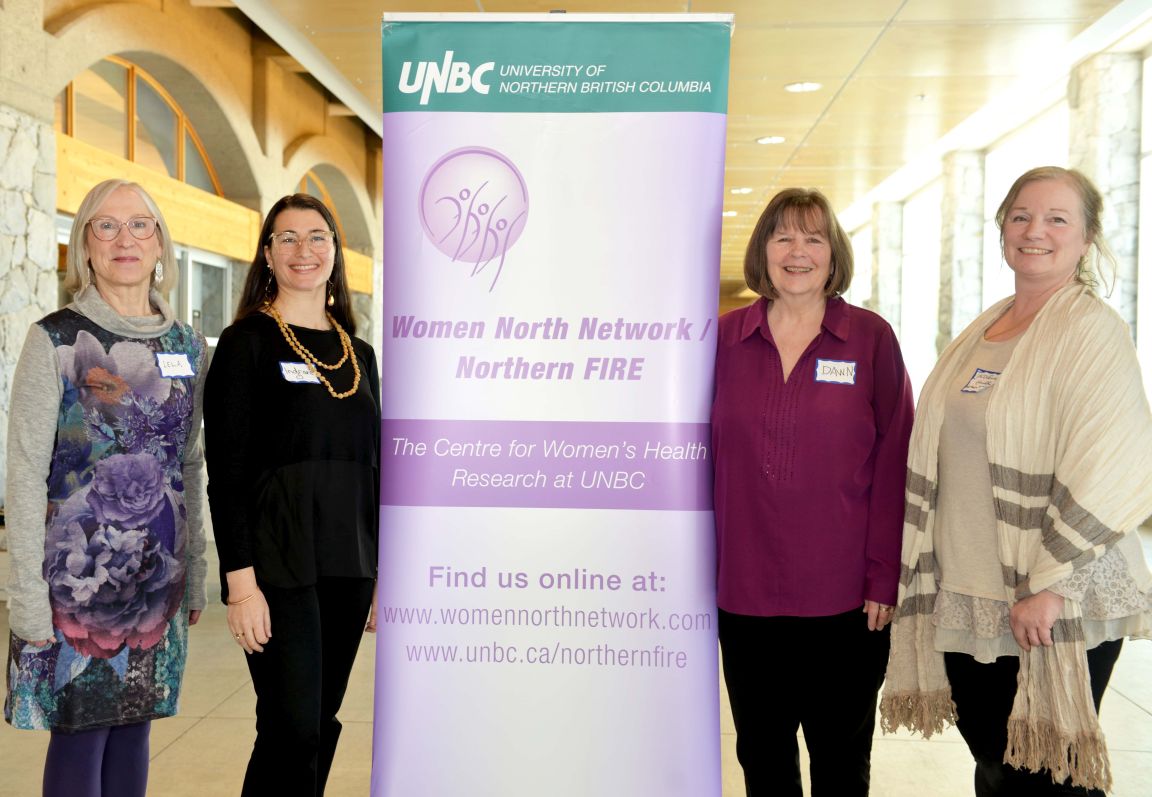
(141,227)
(319,241)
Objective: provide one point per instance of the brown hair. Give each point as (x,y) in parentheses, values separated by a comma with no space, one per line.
(260,286)
(1091,205)
(808,210)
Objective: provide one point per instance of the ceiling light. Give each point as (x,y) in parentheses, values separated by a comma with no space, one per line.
(740,191)
(803,86)
(770,140)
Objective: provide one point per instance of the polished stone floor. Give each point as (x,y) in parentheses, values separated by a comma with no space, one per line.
(203,751)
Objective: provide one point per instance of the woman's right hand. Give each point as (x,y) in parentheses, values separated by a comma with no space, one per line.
(248,617)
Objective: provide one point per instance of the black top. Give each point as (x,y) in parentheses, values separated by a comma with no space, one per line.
(293,473)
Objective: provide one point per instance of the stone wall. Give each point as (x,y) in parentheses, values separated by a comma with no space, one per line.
(28,281)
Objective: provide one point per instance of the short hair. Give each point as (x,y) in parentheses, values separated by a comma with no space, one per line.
(78,269)
(808,210)
(1091,205)
(260,287)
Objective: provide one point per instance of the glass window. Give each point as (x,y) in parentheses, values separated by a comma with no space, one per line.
(195,168)
(101,97)
(212,299)
(155,130)
(209,293)
(60,117)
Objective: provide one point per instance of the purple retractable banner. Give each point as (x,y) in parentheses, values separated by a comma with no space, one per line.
(553,187)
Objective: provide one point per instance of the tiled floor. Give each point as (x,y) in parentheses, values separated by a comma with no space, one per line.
(203,751)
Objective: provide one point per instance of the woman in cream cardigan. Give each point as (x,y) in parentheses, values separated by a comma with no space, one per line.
(1030,468)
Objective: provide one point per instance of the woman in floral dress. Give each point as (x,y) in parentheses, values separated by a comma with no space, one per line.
(103,503)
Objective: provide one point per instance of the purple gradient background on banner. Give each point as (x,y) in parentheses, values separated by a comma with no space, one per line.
(590,248)
(623,222)
(667,457)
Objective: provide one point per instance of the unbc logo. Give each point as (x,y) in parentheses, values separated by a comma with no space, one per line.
(445,78)
(473,206)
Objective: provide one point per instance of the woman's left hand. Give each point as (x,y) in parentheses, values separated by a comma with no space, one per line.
(193,617)
(1032,619)
(879,615)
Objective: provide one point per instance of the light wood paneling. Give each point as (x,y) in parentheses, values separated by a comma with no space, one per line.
(195,217)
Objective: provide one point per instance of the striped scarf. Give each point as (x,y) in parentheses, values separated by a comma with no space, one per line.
(1070,451)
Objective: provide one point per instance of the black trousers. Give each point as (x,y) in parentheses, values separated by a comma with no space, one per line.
(300,680)
(983,694)
(821,674)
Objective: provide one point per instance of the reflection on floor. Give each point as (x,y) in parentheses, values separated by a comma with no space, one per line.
(203,751)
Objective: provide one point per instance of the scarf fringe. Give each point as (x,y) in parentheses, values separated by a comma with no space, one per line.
(919,712)
(1082,758)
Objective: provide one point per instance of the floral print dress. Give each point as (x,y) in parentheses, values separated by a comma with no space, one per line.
(116,541)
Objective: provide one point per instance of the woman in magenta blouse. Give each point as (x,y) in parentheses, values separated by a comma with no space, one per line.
(810,428)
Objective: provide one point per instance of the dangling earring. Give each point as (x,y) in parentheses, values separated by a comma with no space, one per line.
(268,286)
(159,271)
(331,298)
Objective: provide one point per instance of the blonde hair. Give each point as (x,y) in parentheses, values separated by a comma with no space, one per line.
(1092,207)
(78,271)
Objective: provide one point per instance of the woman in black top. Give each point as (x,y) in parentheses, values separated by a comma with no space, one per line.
(292,431)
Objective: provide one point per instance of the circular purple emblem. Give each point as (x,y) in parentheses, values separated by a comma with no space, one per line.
(473,206)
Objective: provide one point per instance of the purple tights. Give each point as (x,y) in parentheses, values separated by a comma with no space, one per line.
(98,763)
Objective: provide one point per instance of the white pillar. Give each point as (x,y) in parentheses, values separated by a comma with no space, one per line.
(1104,99)
(961,244)
(887,260)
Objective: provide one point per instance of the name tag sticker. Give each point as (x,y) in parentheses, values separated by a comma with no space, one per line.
(981,380)
(837,372)
(298,372)
(174,364)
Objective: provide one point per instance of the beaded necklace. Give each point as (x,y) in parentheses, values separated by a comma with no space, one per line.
(311,360)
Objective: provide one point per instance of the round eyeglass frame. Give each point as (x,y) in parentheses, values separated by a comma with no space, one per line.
(121,225)
(328,235)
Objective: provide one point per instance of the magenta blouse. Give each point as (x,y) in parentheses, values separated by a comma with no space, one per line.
(809,473)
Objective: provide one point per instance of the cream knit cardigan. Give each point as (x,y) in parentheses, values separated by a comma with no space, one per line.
(1070,453)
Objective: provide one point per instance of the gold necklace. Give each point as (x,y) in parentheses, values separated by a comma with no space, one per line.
(312,361)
